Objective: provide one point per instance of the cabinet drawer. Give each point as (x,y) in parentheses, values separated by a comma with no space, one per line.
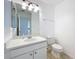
(25,49)
(28,55)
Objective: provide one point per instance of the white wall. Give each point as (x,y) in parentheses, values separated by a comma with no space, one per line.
(35,26)
(7,18)
(65,27)
(47,21)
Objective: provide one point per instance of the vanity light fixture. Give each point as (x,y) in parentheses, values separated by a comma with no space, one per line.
(24,4)
(36,9)
(24,7)
(31,6)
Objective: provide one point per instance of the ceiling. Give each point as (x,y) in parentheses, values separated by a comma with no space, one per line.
(51,2)
(48,2)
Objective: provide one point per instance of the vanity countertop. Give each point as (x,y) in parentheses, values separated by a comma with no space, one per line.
(15,43)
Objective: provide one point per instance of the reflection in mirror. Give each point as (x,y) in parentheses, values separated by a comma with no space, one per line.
(21,20)
(24,23)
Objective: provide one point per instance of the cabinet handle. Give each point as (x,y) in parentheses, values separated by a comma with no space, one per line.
(35,52)
(31,54)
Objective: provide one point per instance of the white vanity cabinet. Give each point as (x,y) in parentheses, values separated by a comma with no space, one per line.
(34,51)
(28,55)
(40,53)
(37,54)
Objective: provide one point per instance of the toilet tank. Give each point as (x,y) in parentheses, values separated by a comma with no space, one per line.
(51,40)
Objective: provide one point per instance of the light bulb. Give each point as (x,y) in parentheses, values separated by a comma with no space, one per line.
(24,3)
(30,7)
(23,7)
(36,9)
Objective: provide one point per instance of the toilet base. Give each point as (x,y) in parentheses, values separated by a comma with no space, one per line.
(56,55)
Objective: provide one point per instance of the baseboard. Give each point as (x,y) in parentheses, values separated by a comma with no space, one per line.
(66,55)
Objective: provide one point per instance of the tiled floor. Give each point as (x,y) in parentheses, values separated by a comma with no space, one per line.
(63,56)
(50,56)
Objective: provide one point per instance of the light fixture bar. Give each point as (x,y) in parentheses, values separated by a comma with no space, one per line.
(31,6)
(31,2)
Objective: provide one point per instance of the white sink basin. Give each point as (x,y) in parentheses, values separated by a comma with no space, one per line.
(20,42)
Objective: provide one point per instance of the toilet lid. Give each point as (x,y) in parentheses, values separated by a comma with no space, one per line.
(57,46)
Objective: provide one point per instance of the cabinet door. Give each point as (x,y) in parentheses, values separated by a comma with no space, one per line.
(40,53)
(28,55)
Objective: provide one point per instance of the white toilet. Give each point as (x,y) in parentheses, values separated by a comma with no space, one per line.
(56,48)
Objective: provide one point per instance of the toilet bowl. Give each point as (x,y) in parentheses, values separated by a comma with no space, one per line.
(55,47)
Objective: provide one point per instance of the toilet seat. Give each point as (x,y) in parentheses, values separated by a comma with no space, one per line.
(57,47)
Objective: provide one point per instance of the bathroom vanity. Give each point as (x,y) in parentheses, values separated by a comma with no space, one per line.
(34,48)
(23,24)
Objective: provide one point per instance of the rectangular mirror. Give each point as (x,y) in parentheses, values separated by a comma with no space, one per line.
(21,20)
(24,22)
